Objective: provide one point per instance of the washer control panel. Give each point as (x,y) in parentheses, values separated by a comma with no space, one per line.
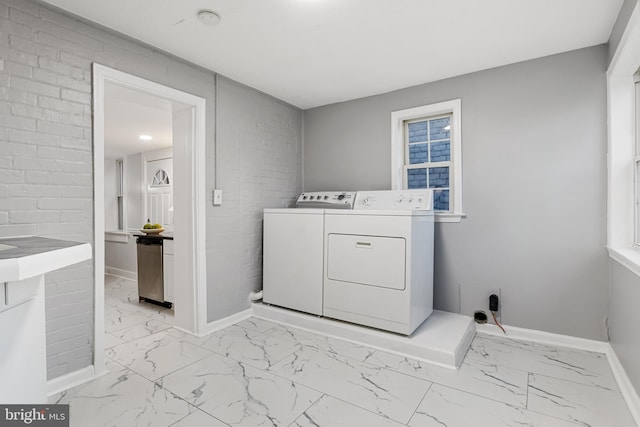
(418,199)
(327,199)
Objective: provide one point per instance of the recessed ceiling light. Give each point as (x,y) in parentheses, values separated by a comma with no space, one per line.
(145,137)
(208,17)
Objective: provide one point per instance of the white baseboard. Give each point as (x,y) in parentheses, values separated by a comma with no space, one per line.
(542,337)
(627,390)
(71,379)
(225,322)
(125,274)
(624,383)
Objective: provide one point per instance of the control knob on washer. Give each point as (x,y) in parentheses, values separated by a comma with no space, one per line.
(341,196)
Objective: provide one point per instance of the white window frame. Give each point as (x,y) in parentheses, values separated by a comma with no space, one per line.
(621,195)
(636,163)
(120,193)
(398,152)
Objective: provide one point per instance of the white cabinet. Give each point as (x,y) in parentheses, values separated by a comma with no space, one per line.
(23,359)
(23,351)
(167,265)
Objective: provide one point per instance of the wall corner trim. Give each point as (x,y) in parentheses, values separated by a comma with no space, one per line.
(225,322)
(72,379)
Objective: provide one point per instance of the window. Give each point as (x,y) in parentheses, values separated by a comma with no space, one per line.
(160,179)
(427,160)
(426,153)
(623,153)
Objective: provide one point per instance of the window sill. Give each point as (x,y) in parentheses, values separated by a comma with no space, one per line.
(628,257)
(449,217)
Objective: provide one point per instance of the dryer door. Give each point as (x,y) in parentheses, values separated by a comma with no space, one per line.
(367,260)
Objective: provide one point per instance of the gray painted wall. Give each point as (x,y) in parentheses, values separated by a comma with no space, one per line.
(259,165)
(624,318)
(46,160)
(624,291)
(534,178)
(122,256)
(620,25)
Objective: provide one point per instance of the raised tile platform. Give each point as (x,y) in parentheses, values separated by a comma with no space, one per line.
(443,339)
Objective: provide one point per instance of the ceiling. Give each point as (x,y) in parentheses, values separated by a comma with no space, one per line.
(127,115)
(316,52)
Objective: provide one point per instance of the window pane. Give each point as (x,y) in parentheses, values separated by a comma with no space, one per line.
(120,213)
(417,178)
(441,200)
(417,132)
(440,151)
(437,129)
(438,177)
(418,153)
(637,119)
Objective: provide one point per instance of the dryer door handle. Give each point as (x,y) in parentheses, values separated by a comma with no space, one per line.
(364,245)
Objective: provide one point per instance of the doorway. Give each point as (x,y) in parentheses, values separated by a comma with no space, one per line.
(187,210)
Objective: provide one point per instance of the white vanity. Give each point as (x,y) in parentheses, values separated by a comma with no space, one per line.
(23,263)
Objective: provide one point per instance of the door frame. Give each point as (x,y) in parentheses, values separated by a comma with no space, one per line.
(194,291)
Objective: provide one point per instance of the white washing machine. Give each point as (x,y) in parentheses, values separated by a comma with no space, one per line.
(293,250)
(378,267)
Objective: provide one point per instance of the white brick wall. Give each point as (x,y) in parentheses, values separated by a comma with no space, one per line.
(46,161)
(36,124)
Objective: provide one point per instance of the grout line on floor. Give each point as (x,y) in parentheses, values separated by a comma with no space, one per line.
(413,414)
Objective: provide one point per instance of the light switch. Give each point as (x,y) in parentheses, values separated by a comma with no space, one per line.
(217,197)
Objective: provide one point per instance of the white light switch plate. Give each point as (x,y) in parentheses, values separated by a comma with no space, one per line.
(217,197)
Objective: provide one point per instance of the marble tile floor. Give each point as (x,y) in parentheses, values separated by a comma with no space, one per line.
(127,319)
(259,373)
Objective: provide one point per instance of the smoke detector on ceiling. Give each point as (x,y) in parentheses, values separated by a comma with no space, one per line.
(208,17)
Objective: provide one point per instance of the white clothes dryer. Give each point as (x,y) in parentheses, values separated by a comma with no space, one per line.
(378,267)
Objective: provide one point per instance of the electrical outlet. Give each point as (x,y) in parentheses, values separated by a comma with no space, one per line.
(217,197)
(474,296)
(494,300)
(498,292)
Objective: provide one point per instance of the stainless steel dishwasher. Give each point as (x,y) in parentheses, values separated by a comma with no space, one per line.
(150,270)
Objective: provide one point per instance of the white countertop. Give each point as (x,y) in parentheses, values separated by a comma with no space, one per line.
(25,257)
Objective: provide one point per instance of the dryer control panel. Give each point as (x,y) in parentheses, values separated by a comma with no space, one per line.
(327,200)
(418,199)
